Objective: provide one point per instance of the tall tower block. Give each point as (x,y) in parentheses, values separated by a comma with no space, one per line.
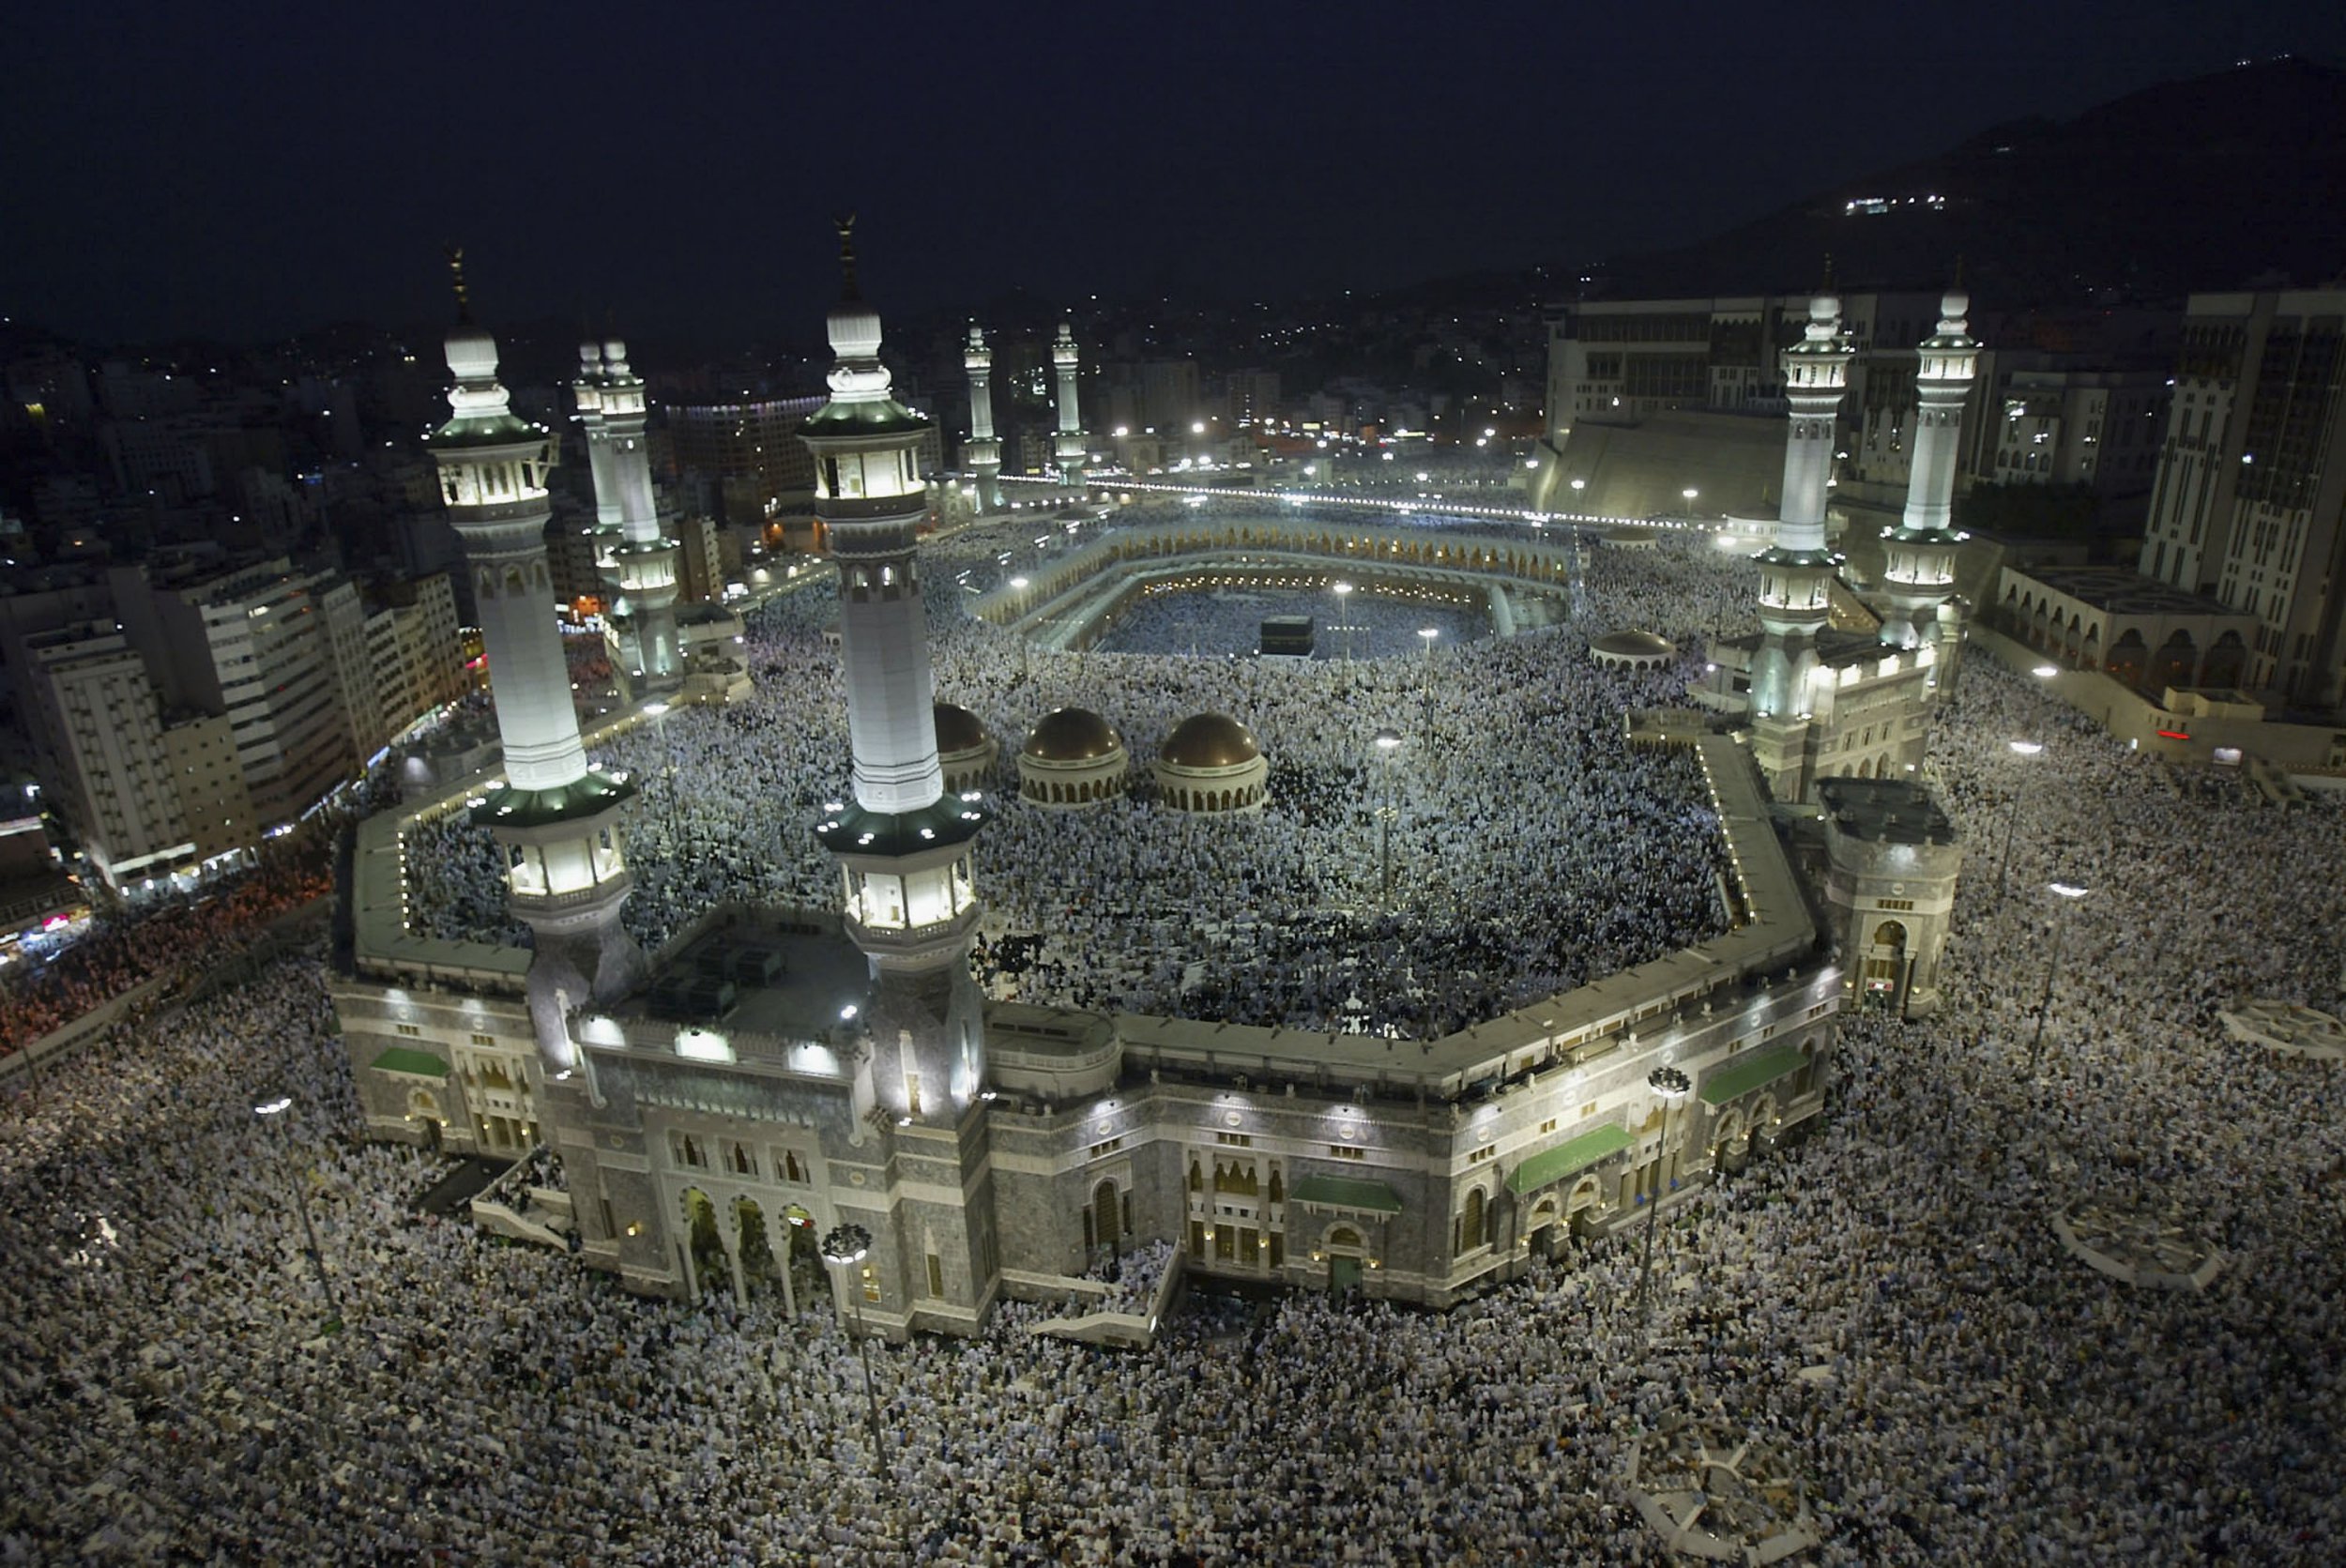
(1919,555)
(983,454)
(1069,446)
(1796,572)
(902,842)
(640,564)
(556,819)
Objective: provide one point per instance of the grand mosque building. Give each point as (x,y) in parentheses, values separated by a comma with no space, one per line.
(772,1074)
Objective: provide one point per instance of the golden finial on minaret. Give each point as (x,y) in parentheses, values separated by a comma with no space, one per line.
(456,277)
(847,254)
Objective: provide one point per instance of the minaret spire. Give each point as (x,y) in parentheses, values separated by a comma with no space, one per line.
(1069,446)
(984,453)
(1796,572)
(903,844)
(635,556)
(456,278)
(557,818)
(1919,555)
(845,225)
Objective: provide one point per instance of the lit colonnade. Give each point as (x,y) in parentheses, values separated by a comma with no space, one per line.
(638,563)
(983,456)
(556,820)
(1069,446)
(1918,573)
(903,844)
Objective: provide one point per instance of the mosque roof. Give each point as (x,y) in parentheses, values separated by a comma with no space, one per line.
(876,417)
(591,792)
(1209,741)
(1072,735)
(957,729)
(853,830)
(1635,644)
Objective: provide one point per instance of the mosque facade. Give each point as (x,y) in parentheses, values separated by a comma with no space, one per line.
(769,1075)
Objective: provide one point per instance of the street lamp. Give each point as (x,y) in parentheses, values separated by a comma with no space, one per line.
(2012,816)
(270,1110)
(1429,633)
(847,1245)
(2046,672)
(1344,592)
(1388,743)
(1690,493)
(1669,1086)
(2068,892)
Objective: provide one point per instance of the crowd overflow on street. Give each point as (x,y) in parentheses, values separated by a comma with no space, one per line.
(1884,1303)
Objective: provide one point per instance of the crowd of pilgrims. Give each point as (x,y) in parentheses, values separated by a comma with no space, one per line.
(1531,847)
(1881,1303)
(159,935)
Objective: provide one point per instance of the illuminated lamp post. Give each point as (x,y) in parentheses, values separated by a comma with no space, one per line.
(2012,816)
(845,1246)
(272,1110)
(1669,1086)
(1343,596)
(2069,893)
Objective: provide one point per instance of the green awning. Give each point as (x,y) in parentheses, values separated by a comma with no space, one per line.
(1344,1192)
(1740,1076)
(1551,1165)
(404,1059)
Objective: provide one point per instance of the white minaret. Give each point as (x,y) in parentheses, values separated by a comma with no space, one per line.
(903,844)
(1796,573)
(1068,446)
(1918,568)
(640,562)
(587,390)
(557,819)
(983,454)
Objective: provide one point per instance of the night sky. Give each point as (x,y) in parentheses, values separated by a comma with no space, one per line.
(247,170)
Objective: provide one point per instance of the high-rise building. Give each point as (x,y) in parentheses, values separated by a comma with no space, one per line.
(2249,500)
(252,642)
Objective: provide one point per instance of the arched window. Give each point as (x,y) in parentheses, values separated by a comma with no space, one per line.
(1471,1223)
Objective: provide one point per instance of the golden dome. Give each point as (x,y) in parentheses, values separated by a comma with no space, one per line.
(957,729)
(1634,645)
(1072,735)
(1209,741)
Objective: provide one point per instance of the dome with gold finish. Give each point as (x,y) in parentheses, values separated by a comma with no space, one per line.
(1211,762)
(1072,735)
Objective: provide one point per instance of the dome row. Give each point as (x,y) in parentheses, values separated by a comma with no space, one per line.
(1073,758)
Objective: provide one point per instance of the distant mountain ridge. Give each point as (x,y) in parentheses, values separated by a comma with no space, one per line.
(2228,181)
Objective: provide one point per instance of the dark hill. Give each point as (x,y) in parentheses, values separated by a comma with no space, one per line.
(2220,182)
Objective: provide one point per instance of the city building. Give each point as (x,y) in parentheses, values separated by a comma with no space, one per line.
(250,643)
(2248,504)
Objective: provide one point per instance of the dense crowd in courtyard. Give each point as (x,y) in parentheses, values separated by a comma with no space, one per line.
(1882,1302)
(1531,847)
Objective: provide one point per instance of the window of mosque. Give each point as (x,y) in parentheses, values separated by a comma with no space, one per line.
(1346,1151)
(1236,1140)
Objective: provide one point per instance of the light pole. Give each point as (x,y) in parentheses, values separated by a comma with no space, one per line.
(2012,816)
(659,711)
(1344,598)
(2070,893)
(1690,493)
(1388,743)
(847,1245)
(1018,585)
(1429,633)
(270,1110)
(1669,1086)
